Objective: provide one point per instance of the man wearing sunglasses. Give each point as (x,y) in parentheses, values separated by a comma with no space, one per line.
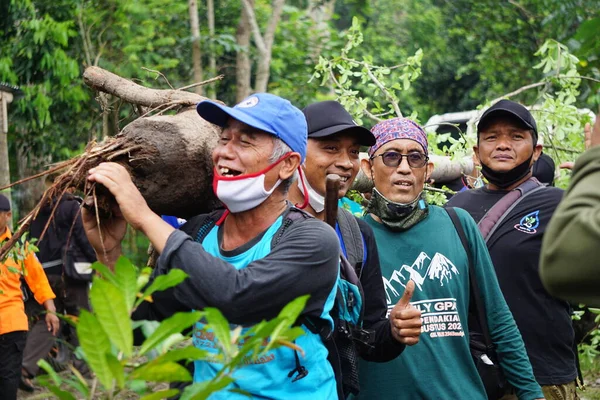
(419,242)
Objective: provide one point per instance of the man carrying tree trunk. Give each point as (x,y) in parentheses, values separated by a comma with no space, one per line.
(334,142)
(13,321)
(512,212)
(422,243)
(249,261)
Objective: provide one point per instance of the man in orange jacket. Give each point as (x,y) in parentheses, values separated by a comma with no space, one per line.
(13,321)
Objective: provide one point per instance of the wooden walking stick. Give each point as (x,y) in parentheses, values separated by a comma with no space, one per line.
(332,188)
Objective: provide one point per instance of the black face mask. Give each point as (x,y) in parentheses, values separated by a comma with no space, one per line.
(506,179)
(397,216)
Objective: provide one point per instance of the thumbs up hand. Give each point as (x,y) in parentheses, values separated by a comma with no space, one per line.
(405,319)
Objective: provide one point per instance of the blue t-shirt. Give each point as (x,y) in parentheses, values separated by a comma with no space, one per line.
(267,376)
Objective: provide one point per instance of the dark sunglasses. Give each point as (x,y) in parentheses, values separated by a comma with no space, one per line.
(393,159)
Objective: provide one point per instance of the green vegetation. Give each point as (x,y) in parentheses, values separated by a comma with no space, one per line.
(106,338)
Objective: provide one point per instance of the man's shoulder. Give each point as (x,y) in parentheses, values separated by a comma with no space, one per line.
(465,197)
(364,227)
(546,198)
(551,192)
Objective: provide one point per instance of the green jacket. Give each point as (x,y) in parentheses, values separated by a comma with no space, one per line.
(569,265)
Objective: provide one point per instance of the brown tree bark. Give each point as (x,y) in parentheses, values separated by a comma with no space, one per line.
(169,156)
(264,43)
(107,82)
(5,98)
(196,52)
(243,71)
(173,169)
(212,60)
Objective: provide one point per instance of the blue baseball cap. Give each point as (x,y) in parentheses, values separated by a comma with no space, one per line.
(266,112)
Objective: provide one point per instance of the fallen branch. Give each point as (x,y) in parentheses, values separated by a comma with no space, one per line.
(107,82)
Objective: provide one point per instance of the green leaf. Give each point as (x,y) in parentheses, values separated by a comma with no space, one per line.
(79,386)
(162,372)
(162,282)
(202,390)
(294,308)
(125,273)
(220,327)
(137,385)
(117,369)
(61,394)
(106,273)
(186,353)
(162,394)
(111,310)
(43,364)
(174,324)
(143,278)
(96,345)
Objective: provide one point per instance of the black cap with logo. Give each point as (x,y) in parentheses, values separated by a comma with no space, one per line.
(509,108)
(328,118)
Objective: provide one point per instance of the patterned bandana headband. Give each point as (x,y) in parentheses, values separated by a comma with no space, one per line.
(397,128)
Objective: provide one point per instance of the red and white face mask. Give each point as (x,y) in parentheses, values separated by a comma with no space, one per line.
(244,192)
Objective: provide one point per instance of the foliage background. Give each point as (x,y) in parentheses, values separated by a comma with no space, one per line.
(472,52)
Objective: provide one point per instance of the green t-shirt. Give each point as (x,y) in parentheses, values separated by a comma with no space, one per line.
(440,365)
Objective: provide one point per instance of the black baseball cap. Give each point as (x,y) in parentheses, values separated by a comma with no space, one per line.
(327,118)
(4,203)
(543,169)
(511,109)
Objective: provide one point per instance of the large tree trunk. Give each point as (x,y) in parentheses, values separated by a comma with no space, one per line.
(243,71)
(196,52)
(175,178)
(170,160)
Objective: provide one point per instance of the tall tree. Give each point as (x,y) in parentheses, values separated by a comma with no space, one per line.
(212,58)
(196,51)
(264,43)
(243,71)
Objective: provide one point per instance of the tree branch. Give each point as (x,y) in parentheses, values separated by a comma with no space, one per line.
(372,116)
(386,92)
(107,82)
(272,26)
(520,90)
(258,39)
(86,49)
(206,82)
(158,73)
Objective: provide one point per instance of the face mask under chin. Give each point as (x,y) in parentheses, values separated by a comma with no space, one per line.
(398,216)
(316,201)
(506,179)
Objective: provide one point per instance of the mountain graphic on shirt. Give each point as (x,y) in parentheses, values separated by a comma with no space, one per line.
(424,268)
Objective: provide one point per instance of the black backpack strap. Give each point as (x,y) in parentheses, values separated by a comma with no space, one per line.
(289,217)
(496,215)
(199,226)
(476,293)
(352,237)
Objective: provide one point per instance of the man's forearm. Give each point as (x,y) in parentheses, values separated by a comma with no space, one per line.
(49,306)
